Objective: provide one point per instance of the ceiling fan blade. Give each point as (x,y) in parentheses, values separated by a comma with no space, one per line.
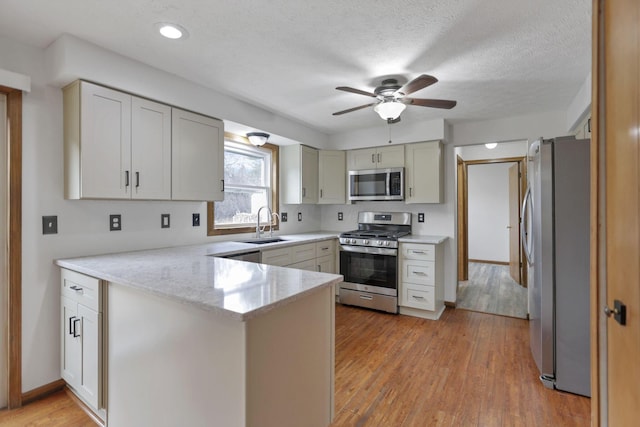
(358,91)
(433,103)
(354,109)
(418,83)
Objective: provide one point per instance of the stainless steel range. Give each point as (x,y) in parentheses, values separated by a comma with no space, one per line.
(369,260)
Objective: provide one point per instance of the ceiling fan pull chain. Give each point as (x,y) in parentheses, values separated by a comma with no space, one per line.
(389,129)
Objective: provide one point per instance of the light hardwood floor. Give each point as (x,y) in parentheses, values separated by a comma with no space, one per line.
(490,289)
(466,369)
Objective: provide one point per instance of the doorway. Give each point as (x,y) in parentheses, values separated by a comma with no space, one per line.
(491,269)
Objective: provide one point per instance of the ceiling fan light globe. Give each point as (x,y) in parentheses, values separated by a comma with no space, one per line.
(389,110)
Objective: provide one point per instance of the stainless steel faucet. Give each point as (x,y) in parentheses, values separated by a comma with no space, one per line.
(258,221)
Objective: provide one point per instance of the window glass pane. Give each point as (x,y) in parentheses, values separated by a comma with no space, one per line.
(244,168)
(240,206)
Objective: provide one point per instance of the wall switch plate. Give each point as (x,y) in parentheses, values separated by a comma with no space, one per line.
(421,217)
(299,216)
(283,217)
(115,222)
(165,220)
(50,224)
(340,216)
(195,220)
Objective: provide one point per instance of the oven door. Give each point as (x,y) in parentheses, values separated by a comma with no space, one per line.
(369,269)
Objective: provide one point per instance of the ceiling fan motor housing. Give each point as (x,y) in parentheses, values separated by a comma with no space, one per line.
(388,88)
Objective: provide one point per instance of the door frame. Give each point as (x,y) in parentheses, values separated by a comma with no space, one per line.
(14,261)
(463,210)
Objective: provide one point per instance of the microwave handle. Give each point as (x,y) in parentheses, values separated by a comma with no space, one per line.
(388,178)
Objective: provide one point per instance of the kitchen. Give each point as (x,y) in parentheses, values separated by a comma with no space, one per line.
(81,226)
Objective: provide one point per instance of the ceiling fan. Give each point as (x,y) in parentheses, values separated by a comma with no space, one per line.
(392,98)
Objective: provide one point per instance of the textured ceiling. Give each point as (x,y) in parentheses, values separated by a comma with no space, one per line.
(497,58)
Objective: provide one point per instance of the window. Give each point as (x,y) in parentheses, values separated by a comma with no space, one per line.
(250,182)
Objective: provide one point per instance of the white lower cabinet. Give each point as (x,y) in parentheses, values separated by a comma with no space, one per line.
(81,340)
(318,256)
(421,281)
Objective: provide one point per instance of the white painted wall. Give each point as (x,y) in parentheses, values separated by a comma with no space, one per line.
(488,204)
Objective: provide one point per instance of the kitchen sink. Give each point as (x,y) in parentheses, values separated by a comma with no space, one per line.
(263,241)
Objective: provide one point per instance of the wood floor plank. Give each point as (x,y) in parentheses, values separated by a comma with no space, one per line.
(466,369)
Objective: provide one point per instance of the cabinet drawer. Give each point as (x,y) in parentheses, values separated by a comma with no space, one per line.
(81,288)
(309,265)
(326,247)
(419,272)
(304,252)
(418,251)
(278,257)
(422,297)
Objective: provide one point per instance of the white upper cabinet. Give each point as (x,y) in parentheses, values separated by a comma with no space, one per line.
(332,177)
(197,157)
(374,158)
(424,173)
(97,133)
(150,150)
(119,146)
(299,170)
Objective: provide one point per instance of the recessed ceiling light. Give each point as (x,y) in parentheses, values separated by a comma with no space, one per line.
(171,31)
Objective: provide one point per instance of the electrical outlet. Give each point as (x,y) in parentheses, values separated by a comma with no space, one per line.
(115,222)
(299,216)
(165,220)
(195,220)
(50,224)
(421,217)
(283,217)
(340,217)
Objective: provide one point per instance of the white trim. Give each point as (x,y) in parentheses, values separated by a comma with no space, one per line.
(15,80)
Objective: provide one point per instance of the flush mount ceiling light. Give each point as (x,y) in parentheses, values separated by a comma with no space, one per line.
(389,110)
(258,138)
(491,145)
(171,31)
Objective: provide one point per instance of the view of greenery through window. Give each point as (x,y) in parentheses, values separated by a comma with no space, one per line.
(247,178)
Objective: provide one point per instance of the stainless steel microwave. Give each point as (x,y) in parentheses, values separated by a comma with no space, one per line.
(376,184)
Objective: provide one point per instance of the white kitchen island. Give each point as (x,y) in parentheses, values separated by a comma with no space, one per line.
(196,340)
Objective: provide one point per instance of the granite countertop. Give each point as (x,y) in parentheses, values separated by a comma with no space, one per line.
(417,238)
(196,275)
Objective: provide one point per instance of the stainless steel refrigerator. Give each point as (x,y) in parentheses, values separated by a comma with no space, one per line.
(555,235)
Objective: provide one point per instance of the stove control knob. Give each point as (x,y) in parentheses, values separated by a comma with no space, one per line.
(387,243)
(352,241)
(365,242)
(380,243)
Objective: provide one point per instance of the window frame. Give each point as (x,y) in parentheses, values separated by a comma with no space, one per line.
(275,173)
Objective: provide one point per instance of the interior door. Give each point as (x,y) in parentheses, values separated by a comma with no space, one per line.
(514,223)
(622,207)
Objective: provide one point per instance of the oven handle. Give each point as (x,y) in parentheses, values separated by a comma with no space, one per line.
(369,250)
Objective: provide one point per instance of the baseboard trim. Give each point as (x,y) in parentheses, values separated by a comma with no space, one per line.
(484,261)
(450,304)
(42,391)
(85,408)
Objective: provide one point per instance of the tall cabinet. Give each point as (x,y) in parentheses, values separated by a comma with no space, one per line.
(332,175)
(299,174)
(424,173)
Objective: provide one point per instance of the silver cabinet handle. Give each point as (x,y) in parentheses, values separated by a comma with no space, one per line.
(321,193)
(304,192)
(418,252)
(378,157)
(76,288)
(222,181)
(75,327)
(417,297)
(419,273)
(126,178)
(137,179)
(373,158)
(367,297)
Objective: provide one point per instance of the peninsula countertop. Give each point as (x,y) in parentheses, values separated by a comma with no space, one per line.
(195,275)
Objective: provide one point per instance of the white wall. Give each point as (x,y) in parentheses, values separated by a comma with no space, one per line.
(488,207)
(83,225)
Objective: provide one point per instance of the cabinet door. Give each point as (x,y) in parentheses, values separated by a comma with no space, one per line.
(424,173)
(332,177)
(105,141)
(197,157)
(390,157)
(70,362)
(326,264)
(150,150)
(361,159)
(88,385)
(309,175)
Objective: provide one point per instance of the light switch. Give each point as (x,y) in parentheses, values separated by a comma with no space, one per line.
(50,224)
(165,220)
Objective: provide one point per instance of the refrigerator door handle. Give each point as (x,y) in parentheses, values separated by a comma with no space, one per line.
(526,205)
